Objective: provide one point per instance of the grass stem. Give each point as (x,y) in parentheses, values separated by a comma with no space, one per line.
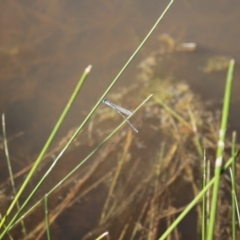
(48,143)
(220,150)
(47,217)
(204,225)
(5,143)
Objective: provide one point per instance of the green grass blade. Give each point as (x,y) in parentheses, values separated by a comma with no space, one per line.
(233,178)
(204,225)
(10,168)
(208,197)
(47,217)
(220,150)
(49,141)
(102,236)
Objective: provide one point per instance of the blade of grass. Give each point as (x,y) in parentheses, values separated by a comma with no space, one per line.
(204,197)
(237,207)
(10,168)
(195,201)
(12,222)
(220,150)
(208,198)
(49,141)
(47,217)
(102,236)
(233,178)
(9,235)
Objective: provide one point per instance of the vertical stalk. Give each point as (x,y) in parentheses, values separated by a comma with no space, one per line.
(208,195)
(47,217)
(233,187)
(204,197)
(220,150)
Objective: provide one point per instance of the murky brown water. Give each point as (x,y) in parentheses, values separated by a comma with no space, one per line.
(45,46)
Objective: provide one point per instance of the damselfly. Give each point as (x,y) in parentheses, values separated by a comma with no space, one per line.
(120,110)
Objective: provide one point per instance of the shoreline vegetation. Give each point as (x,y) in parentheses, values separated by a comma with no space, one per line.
(128,185)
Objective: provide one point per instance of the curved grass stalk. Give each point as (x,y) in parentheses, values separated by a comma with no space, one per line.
(204,199)
(220,150)
(47,217)
(102,236)
(233,180)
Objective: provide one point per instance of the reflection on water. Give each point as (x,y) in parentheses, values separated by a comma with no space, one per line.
(44,47)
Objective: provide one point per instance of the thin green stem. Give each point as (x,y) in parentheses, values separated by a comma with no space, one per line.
(220,150)
(10,168)
(204,197)
(47,217)
(9,235)
(208,199)
(102,236)
(47,144)
(233,177)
